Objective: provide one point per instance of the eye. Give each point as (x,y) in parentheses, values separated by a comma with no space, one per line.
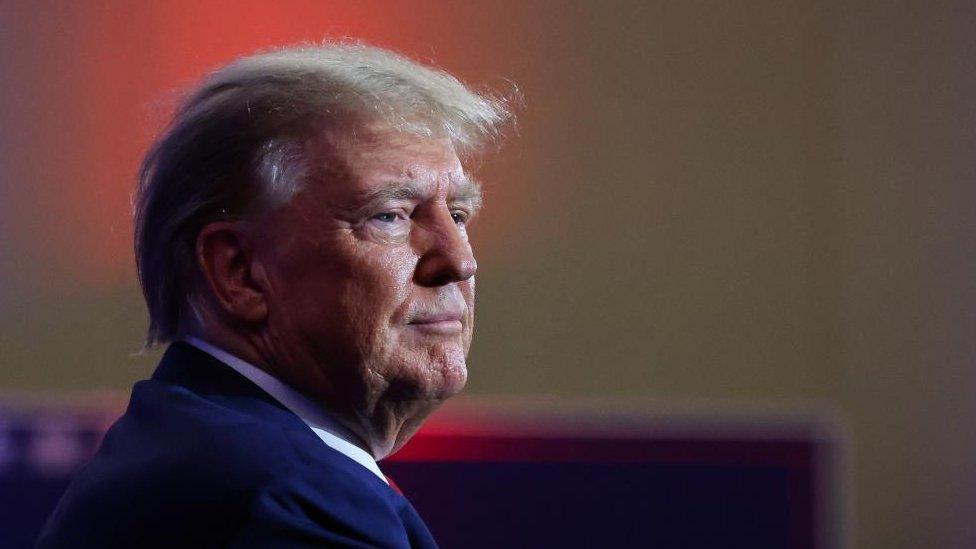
(387,217)
(460,217)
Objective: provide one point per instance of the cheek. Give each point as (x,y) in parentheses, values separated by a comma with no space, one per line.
(467,290)
(376,297)
(397,271)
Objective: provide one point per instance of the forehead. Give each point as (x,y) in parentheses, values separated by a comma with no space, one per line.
(375,158)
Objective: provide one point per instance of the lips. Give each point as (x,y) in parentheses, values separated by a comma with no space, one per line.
(436,318)
(442,322)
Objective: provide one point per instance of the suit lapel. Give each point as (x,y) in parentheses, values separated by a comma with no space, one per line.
(186,366)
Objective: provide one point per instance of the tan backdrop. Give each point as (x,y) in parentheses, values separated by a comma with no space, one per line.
(747,202)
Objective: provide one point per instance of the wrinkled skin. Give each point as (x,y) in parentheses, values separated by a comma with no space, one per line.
(366,283)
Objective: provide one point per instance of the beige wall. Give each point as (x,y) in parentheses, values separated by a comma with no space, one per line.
(763,201)
(904,93)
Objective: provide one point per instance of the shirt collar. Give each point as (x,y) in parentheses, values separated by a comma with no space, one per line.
(333,434)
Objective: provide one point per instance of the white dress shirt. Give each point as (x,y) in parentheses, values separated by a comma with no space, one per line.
(330,431)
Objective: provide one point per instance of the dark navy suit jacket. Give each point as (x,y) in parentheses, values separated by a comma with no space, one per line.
(205,458)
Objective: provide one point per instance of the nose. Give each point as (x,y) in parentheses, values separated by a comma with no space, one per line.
(445,253)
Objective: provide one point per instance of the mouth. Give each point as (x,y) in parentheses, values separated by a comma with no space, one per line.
(448,323)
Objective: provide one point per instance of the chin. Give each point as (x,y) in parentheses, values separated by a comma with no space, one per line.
(449,373)
(432,383)
(417,395)
(452,381)
(442,381)
(431,371)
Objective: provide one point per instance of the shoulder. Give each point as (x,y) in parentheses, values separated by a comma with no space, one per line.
(196,411)
(192,461)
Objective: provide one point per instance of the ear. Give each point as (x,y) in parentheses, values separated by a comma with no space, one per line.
(226,258)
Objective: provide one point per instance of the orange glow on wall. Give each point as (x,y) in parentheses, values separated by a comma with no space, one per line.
(106,80)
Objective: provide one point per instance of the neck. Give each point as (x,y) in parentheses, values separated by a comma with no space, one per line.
(360,427)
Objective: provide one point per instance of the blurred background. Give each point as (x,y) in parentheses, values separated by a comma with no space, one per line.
(760,210)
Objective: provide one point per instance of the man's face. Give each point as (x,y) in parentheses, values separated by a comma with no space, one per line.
(371,276)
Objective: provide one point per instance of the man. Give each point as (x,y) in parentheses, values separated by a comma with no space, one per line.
(301,239)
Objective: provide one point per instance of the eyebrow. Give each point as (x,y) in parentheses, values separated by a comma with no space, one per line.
(467,191)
